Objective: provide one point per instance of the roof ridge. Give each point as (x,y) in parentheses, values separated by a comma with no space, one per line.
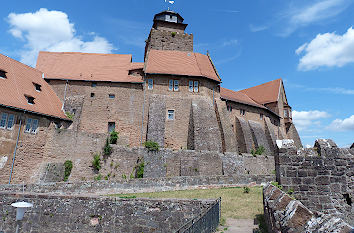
(23,64)
(109,54)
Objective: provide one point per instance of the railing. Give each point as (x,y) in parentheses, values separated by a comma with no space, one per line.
(204,223)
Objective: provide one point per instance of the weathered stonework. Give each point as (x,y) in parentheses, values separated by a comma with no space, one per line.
(52,213)
(284,214)
(321,178)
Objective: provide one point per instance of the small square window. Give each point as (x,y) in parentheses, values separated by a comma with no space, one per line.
(261,116)
(112,96)
(2,74)
(38,87)
(3,120)
(229,108)
(171,114)
(93,84)
(150,84)
(30,99)
(111,126)
(242,112)
(92,95)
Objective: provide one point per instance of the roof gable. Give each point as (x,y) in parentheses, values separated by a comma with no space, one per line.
(239,97)
(180,63)
(87,66)
(20,82)
(265,93)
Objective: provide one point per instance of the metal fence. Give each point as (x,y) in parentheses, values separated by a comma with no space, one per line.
(204,223)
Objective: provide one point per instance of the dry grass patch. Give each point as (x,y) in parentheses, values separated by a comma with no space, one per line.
(234,202)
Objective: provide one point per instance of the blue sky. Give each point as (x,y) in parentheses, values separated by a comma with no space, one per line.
(307,43)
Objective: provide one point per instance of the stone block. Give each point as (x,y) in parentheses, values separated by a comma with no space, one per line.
(322,180)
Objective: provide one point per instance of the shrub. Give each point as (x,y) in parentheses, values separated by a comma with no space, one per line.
(290,191)
(277,185)
(113,137)
(98,177)
(173,34)
(107,149)
(140,170)
(96,163)
(151,146)
(124,176)
(68,167)
(246,189)
(70,115)
(253,152)
(260,150)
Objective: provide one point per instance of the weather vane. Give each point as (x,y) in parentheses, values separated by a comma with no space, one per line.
(170,2)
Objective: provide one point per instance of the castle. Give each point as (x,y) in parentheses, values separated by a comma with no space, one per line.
(173,98)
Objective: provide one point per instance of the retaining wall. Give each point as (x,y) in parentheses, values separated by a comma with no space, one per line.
(87,214)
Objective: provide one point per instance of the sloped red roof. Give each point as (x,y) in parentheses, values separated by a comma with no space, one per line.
(19,82)
(264,93)
(87,66)
(137,65)
(180,63)
(238,97)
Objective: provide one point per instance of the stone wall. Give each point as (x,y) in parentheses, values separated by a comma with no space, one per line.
(284,214)
(87,214)
(321,178)
(144,185)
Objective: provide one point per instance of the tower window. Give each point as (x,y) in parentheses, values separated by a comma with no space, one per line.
(92,95)
(150,84)
(3,74)
(171,114)
(38,87)
(30,99)
(111,126)
(112,96)
(173,85)
(194,86)
(31,126)
(261,116)
(242,112)
(3,120)
(229,108)
(10,121)
(93,84)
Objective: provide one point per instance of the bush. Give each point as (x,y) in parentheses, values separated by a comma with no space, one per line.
(173,34)
(151,146)
(107,149)
(113,137)
(246,189)
(277,185)
(68,167)
(140,170)
(259,151)
(99,177)
(96,163)
(70,115)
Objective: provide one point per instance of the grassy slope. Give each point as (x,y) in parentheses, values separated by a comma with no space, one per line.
(234,202)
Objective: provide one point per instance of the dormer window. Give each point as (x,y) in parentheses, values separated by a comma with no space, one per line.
(30,99)
(38,87)
(2,74)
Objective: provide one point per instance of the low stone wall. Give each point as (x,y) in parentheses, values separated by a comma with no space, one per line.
(284,214)
(139,185)
(321,178)
(87,214)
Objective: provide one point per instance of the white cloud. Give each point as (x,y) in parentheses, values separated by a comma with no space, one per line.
(343,125)
(254,28)
(329,50)
(51,31)
(314,12)
(306,119)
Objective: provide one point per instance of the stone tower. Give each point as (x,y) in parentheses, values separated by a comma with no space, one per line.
(167,33)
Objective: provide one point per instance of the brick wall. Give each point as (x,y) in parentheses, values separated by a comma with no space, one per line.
(91,214)
(321,178)
(284,214)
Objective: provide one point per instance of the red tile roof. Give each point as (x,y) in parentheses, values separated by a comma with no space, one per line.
(238,97)
(87,66)
(19,81)
(180,63)
(264,93)
(137,65)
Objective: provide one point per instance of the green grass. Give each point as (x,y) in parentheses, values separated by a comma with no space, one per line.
(234,202)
